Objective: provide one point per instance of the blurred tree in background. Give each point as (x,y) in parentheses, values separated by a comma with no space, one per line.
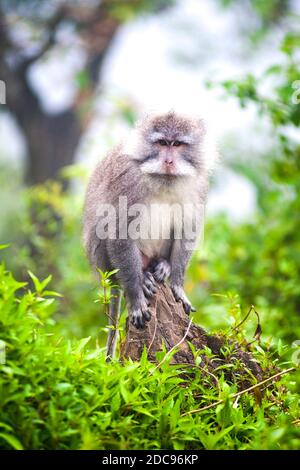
(260,15)
(53,138)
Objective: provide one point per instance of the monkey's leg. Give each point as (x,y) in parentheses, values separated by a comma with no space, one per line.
(114,315)
(126,257)
(179,259)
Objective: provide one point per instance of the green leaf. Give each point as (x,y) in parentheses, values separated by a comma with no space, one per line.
(81,345)
(63,387)
(36,282)
(46,281)
(12,441)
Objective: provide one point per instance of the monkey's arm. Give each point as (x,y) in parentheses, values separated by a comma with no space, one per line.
(126,257)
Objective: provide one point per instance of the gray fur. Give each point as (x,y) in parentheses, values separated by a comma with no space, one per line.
(135,170)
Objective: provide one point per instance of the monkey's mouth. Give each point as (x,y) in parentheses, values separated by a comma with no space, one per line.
(171,175)
(165,176)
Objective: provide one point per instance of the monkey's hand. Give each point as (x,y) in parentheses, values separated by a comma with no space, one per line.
(149,286)
(161,270)
(179,295)
(139,315)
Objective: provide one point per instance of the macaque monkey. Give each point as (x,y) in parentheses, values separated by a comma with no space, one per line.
(144,209)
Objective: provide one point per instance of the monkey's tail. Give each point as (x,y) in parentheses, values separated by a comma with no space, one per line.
(113,320)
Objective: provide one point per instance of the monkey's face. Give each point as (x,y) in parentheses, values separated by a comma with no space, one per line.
(170,147)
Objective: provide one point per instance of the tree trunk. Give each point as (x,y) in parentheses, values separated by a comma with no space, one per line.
(169,325)
(52,141)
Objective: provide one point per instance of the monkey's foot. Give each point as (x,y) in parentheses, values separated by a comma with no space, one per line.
(179,295)
(138,316)
(161,270)
(149,286)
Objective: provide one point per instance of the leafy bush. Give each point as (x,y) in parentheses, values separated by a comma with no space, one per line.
(62,394)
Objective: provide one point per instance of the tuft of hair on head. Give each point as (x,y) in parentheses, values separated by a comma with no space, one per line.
(172,124)
(193,130)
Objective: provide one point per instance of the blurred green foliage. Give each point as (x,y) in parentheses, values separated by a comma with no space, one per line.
(260,260)
(259,16)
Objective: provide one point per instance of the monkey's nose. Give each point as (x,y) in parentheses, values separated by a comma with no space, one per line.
(169,166)
(169,161)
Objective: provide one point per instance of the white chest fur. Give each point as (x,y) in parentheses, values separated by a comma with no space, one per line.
(170,213)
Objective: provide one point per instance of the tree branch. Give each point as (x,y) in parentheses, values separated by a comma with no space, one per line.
(98,33)
(51,27)
(17,89)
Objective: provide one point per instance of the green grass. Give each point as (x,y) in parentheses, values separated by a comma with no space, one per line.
(57,393)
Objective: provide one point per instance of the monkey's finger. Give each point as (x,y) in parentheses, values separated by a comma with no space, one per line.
(137,322)
(176,296)
(140,325)
(149,278)
(186,307)
(148,275)
(159,275)
(149,293)
(149,286)
(162,271)
(149,290)
(147,315)
(134,318)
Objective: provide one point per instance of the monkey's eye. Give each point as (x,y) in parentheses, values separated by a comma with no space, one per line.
(176,143)
(162,142)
